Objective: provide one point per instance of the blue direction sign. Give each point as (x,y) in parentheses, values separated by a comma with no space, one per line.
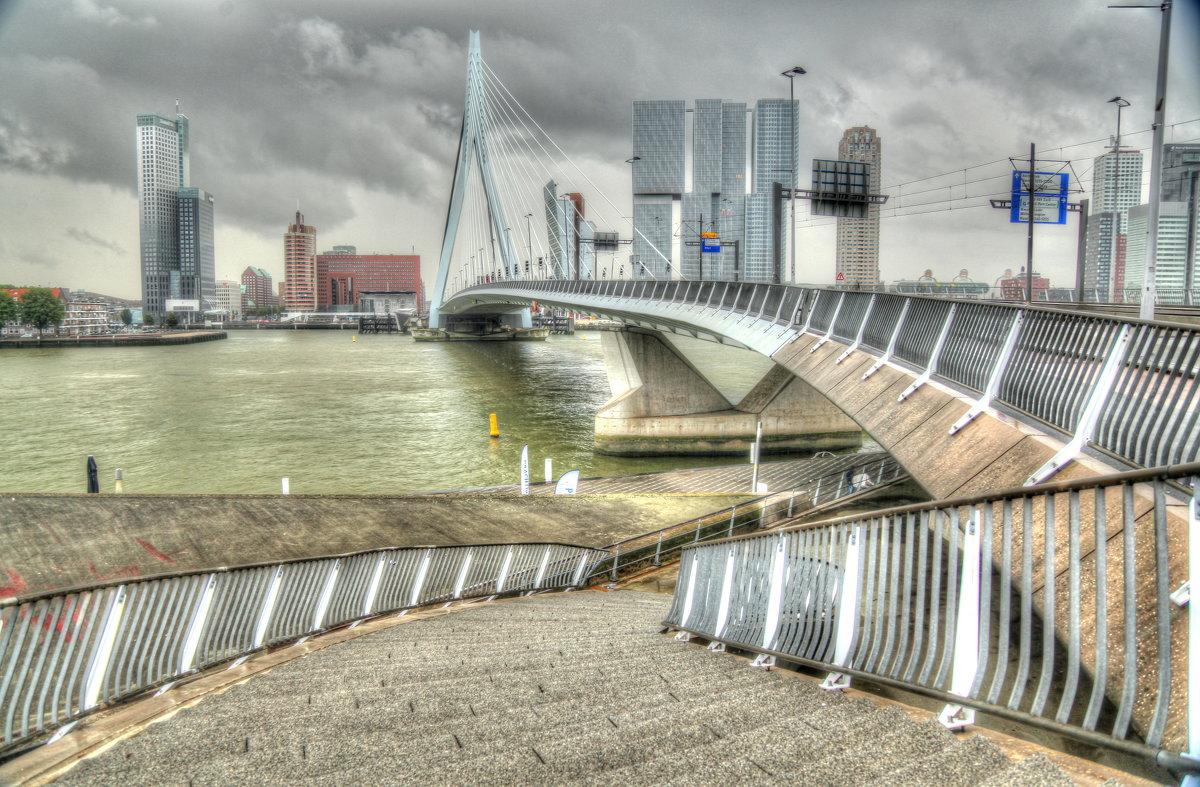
(710,243)
(1049,198)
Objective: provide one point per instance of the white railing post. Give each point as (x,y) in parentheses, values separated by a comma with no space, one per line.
(993,383)
(1193,613)
(723,604)
(811,310)
(933,357)
(373,589)
(191,641)
(774,603)
(504,567)
(462,571)
(318,620)
(97,670)
(268,608)
(966,631)
(1090,413)
(419,582)
(541,572)
(891,348)
(832,322)
(688,595)
(580,569)
(846,619)
(862,326)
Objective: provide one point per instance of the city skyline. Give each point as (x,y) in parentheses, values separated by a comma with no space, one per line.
(943,83)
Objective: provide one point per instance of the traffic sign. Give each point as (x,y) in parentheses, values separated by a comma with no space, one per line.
(841,276)
(1050,197)
(710,243)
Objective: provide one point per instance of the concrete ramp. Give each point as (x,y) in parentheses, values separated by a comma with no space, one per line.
(58,541)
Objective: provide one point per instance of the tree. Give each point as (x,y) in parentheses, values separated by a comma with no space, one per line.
(148,319)
(126,317)
(8,308)
(171,320)
(41,309)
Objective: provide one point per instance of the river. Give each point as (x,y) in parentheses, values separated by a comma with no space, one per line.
(377,415)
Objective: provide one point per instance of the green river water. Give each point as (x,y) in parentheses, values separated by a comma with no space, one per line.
(379,415)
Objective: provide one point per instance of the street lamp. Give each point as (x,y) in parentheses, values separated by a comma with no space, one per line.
(1121,104)
(528,242)
(791,74)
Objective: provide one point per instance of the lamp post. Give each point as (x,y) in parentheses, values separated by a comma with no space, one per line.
(1112,255)
(632,220)
(528,243)
(791,75)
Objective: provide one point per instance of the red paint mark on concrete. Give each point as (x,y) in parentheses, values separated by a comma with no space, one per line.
(146,545)
(15,584)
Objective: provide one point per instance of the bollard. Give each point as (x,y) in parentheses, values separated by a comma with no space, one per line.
(119,484)
(493,426)
(93,476)
(285,486)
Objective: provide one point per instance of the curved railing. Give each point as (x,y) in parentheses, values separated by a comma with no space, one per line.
(652,549)
(1052,605)
(66,654)
(1127,387)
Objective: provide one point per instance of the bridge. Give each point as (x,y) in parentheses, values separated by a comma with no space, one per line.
(1047,584)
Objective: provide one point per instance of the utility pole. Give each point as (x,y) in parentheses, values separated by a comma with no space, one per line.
(1029,249)
(1149,282)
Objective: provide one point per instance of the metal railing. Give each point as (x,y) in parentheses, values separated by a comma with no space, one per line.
(1127,387)
(655,547)
(66,654)
(1048,605)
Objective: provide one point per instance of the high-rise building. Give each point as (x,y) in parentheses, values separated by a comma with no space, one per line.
(1181,183)
(197,257)
(1116,187)
(175,221)
(342,275)
(1170,261)
(742,206)
(229,299)
(257,289)
(858,238)
(300,266)
(658,182)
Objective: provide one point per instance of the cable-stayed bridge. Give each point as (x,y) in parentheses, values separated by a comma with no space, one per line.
(1047,584)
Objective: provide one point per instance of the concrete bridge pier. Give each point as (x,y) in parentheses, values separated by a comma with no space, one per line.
(663,405)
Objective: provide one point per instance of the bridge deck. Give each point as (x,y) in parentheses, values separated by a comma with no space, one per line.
(574,688)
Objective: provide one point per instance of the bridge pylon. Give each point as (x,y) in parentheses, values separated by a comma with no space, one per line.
(473,148)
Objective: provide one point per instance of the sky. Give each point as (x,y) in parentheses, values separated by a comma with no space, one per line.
(351,109)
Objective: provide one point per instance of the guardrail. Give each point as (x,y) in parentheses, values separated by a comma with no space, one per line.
(982,603)
(1128,387)
(67,654)
(652,548)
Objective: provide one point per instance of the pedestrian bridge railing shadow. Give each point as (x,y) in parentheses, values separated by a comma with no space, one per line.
(975,603)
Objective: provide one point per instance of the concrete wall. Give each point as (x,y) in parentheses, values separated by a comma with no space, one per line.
(57,541)
(663,405)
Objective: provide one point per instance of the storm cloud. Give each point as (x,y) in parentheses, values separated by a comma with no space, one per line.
(352,108)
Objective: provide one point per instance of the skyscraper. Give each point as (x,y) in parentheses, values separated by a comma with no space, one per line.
(750,226)
(1181,183)
(174,265)
(658,177)
(1171,263)
(858,238)
(300,266)
(1116,187)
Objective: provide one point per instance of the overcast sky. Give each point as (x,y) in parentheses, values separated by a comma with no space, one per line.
(353,109)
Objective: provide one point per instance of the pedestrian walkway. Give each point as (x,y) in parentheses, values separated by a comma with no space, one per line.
(728,479)
(577,688)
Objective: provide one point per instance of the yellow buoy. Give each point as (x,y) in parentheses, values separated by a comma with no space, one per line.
(494,427)
(353,338)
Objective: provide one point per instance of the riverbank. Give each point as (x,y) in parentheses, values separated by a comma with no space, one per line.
(116,340)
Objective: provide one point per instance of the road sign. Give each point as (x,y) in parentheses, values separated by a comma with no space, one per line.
(841,276)
(1050,197)
(710,243)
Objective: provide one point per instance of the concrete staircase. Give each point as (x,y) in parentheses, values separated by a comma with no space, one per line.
(568,688)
